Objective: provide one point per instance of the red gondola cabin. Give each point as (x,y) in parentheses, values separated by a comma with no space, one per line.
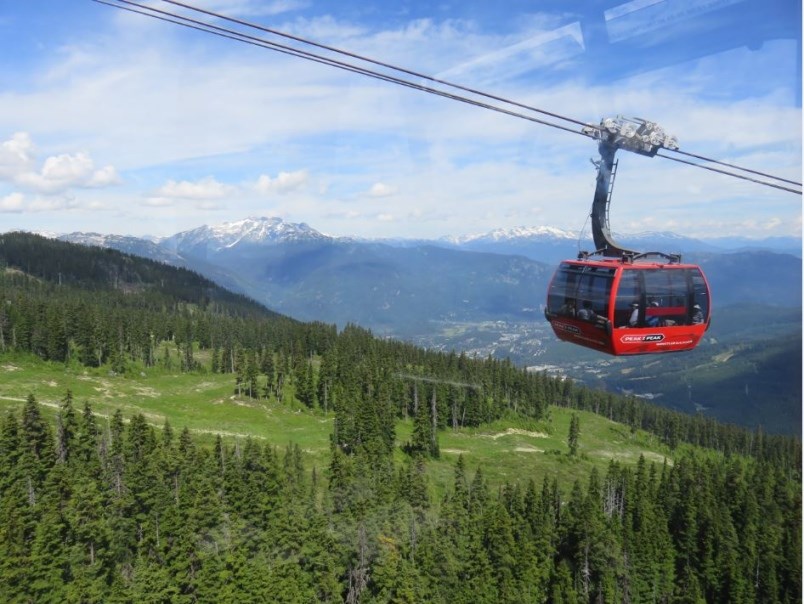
(625,307)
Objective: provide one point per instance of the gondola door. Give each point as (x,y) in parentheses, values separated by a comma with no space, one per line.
(659,308)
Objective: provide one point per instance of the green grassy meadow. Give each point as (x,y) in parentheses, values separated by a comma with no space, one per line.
(507,451)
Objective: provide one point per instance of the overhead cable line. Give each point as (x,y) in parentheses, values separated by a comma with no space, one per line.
(740,176)
(239,36)
(722,163)
(372,61)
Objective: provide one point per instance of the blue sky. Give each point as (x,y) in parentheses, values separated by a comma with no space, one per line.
(117,123)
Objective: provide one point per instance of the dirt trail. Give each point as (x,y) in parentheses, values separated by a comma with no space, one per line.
(519,431)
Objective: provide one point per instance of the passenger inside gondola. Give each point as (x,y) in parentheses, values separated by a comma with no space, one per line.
(633,320)
(653,320)
(587,313)
(697,314)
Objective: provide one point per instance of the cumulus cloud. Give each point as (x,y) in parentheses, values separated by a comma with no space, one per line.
(206,193)
(104,177)
(206,188)
(58,174)
(283,183)
(16,156)
(379,189)
(12,203)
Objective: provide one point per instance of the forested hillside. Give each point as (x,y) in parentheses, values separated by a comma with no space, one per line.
(135,515)
(95,511)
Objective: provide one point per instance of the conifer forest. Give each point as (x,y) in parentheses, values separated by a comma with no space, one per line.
(117,509)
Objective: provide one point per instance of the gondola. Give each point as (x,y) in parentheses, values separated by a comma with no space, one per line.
(619,301)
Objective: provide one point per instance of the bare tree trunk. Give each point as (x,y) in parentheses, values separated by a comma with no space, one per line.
(586,573)
(359,577)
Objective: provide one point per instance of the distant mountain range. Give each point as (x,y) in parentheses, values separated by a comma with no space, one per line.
(542,243)
(401,287)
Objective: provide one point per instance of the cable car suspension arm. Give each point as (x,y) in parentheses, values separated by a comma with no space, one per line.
(632,134)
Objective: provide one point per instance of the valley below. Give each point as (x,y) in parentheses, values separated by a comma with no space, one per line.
(743,372)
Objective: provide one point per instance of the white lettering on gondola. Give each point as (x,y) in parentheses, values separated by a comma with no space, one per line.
(566,327)
(635,339)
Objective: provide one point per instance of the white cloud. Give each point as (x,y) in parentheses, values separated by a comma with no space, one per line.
(16,156)
(12,203)
(283,183)
(58,174)
(104,177)
(206,188)
(379,189)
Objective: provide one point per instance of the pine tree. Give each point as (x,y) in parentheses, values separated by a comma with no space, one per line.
(215,360)
(67,428)
(574,434)
(250,376)
(88,442)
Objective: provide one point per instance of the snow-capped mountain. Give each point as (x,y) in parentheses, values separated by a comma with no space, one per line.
(549,244)
(542,243)
(250,231)
(542,233)
(665,241)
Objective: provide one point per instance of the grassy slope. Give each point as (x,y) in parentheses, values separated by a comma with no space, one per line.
(508,451)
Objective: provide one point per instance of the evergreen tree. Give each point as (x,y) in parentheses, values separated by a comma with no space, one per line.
(67,429)
(574,434)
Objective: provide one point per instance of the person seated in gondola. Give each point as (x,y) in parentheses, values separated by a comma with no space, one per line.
(586,313)
(697,314)
(653,320)
(568,308)
(633,320)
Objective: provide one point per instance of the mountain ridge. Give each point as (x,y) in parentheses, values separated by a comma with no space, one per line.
(248,231)
(272,230)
